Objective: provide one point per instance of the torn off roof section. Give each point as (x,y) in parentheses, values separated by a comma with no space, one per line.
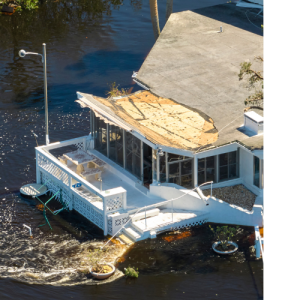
(162,121)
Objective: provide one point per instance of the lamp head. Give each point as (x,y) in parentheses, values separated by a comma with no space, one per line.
(22,53)
(160,152)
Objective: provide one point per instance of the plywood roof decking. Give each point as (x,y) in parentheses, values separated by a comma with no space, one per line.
(163,121)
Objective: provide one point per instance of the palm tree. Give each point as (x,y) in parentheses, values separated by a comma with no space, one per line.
(154,18)
(169,9)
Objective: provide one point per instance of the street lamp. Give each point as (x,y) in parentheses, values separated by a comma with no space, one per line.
(23,53)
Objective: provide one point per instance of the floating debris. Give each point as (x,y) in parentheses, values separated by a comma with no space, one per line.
(177,236)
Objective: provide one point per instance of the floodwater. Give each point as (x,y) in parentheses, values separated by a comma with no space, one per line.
(90,44)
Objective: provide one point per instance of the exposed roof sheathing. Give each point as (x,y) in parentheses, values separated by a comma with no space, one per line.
(162,121)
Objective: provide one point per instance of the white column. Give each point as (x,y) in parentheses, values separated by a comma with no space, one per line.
(71,204)
(104,217)
(157,166)
(37,168)
(125,200)
(195,171)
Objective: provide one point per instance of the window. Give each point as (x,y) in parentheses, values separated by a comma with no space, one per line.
(206,169)
(133,155)
(228,166)
(162,168)
(100,136)
(181,172)
(256,173)
(116,144)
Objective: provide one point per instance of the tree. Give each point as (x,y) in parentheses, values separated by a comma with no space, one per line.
(255,80)
(154,18)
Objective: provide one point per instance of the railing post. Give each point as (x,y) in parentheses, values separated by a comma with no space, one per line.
(172,212)
(125,199)
(104,216)
(70,192)
(211,190)
(38,173)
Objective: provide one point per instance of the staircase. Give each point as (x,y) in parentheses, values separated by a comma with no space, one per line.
(158,221)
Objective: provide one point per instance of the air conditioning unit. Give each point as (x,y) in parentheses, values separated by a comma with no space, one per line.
(254,122)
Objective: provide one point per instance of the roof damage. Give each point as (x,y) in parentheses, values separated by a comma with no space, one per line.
(162,121)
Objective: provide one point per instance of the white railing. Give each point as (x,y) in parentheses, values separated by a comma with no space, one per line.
(172,201)
(124,219)
(258,243)
(95,203)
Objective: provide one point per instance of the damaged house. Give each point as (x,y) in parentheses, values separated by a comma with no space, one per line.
(147,152)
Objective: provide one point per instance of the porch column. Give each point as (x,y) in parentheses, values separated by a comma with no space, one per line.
(195,171)
(153,167)
(157,166)
(261,161)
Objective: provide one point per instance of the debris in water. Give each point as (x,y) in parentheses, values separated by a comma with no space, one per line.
(177,236)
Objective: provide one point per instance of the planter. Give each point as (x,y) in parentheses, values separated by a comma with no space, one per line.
(103,275)
(224,252)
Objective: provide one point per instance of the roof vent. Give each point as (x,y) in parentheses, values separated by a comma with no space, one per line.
(254,122)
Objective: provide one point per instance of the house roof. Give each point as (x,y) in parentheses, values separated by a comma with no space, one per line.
(194,64)
(160,120)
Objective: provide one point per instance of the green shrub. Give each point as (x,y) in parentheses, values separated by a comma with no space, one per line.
(23,4)
(224,234)
(115,92)
(131,272)
(28,4)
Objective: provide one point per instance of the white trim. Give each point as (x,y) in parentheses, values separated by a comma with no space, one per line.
(102,112)
(219,150)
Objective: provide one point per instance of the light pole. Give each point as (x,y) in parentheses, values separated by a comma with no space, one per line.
(23,53)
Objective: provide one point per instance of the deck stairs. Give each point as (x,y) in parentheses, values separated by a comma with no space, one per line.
(159,220)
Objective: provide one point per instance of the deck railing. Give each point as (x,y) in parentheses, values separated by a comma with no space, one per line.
(259,241)
(87,199)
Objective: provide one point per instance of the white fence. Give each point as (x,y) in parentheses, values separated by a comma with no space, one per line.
(88,200)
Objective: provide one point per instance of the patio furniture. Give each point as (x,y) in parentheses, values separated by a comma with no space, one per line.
(63,160)
(98,163)
(89,172)
(79,157)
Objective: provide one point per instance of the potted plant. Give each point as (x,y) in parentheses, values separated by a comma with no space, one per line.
(99,269)
(224,235)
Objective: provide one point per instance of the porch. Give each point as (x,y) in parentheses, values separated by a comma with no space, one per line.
(108,201)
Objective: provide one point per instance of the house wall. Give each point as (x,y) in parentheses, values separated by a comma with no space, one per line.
(219,211)
(246,171)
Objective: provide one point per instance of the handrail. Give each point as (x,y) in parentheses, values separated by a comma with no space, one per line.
(261,248)
(155,205)
(63,143)
(70,172)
